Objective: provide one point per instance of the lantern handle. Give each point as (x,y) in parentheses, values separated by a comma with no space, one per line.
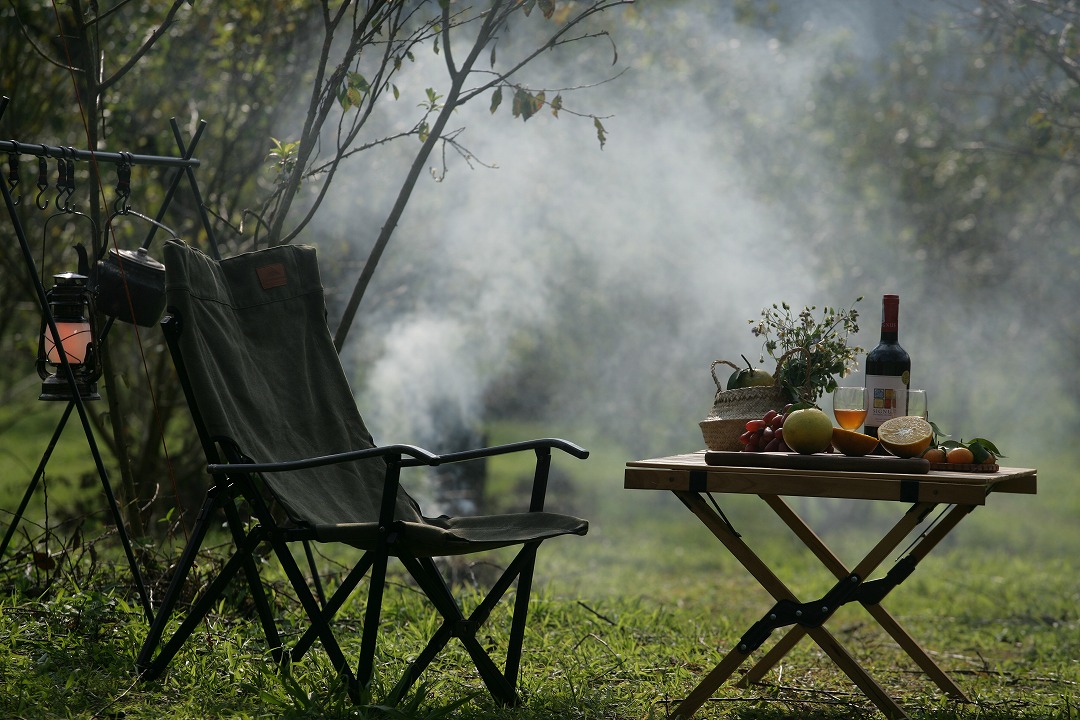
(67,213)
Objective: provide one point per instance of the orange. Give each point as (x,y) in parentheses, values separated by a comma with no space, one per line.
(934,455)
(960,456)
(906,436)
(853,443)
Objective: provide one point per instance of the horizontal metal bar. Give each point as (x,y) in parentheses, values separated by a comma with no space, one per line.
(56,151)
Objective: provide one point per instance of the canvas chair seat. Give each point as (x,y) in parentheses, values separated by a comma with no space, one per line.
(279,426)
(443,535)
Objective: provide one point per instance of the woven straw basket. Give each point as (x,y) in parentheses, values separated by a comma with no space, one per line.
(732,408)
(722,434)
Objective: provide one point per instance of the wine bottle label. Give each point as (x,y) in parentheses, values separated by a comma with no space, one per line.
(887,398)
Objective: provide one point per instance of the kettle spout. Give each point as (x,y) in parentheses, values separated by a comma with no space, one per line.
(84,259)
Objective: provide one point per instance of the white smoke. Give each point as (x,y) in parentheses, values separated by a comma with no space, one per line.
(655,249)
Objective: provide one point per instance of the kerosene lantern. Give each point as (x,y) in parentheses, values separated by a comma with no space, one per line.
(69,304)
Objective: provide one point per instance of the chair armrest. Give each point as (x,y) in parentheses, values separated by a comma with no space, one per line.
(542,448)
(420,457)
(466,455)
(416,456)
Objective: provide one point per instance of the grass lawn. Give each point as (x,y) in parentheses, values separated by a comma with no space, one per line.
(623,623)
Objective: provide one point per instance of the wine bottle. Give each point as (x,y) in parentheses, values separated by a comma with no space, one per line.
(888,371)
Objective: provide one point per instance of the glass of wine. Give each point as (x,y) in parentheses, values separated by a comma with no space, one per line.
(849,406)
(916,404)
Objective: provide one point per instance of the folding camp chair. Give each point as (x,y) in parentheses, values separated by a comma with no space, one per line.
(279,427)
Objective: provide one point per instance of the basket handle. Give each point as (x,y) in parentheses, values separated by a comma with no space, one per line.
(712,369)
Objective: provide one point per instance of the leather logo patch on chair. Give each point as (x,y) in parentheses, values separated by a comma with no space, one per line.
(272,276)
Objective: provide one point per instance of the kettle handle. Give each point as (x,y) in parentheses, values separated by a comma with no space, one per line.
(136,213)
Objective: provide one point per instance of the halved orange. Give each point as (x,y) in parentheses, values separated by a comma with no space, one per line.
(906,436)
(853,443)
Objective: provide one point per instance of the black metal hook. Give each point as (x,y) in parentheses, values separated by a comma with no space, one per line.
(13,173)
(70,206)
(123,185)
(61,180)
(42,183)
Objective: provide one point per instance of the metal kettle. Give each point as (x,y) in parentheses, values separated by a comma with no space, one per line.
(129,284)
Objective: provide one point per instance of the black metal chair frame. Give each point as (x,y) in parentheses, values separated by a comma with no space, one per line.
(234,477)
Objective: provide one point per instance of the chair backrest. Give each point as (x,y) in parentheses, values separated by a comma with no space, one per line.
(265,375)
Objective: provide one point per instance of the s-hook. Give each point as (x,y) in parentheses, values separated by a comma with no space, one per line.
(42,182)
(13,174)
(61,182)
(123,185)
(70,190)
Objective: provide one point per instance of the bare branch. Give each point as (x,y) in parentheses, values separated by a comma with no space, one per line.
(33,43)
(132,61)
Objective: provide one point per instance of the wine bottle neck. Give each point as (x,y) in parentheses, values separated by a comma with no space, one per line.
(890,314)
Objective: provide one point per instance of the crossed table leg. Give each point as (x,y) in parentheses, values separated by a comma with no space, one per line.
(808,618)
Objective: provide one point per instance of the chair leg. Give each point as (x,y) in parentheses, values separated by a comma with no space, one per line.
(254,580)
(314,613)
(439,638)
(172,593)
(455,624)
(521,614)
(365,667)
(341,594)
(315,579)
(151,667)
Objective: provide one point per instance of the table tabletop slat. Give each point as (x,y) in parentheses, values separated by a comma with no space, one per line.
(689,471)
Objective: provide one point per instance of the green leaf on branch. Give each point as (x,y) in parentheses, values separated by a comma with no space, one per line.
(496,100)
(601,133)
(353,90)
(433,99)
(556,105)
(283,155)
(526,104)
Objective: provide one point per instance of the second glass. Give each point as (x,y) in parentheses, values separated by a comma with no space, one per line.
(916,404)
(849,406)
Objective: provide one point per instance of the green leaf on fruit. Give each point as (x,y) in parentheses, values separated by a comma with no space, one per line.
(979,453)
(983,442)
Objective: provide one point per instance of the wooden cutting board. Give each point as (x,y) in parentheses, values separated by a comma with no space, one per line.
(818,461)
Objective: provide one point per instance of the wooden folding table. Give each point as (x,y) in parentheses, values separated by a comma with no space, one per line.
(696,476)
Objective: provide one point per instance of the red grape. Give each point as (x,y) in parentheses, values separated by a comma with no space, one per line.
(766,434)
